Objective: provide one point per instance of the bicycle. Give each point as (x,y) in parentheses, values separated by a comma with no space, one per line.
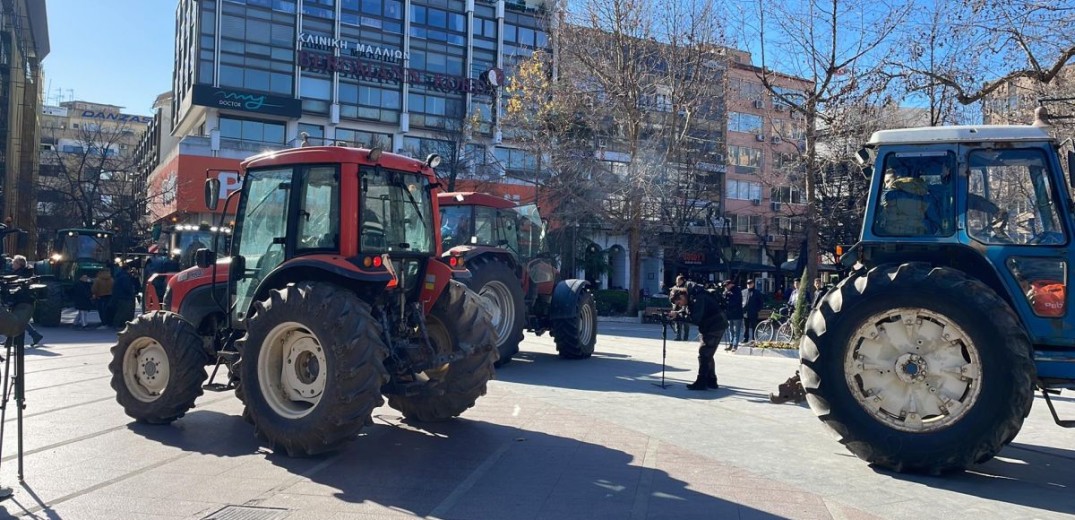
(777,327)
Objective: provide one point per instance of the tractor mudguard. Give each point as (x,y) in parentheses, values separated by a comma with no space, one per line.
(329,266)
(199,303)
(565,298)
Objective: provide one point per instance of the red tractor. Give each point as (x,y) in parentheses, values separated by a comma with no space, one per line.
(502,244)
(174,252)
(335,296)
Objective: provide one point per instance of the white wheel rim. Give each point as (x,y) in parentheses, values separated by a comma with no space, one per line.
(913,369)
(292,370)
(146,369)
(585,325)
(500,304)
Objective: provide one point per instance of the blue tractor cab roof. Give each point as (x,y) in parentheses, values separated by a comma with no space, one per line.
(959,134)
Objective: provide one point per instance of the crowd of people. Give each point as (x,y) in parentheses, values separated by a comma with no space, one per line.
(717,311)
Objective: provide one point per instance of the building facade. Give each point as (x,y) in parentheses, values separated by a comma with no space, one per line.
(24,43)
(413,77)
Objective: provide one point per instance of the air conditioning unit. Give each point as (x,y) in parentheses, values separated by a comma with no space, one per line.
(718,157)
(778,107)
(756,202)
(759,103)
(775,206)
(760,137)
(602,143)
(769,238)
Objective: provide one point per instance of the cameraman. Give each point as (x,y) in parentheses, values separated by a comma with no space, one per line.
(698,306)
(20,268)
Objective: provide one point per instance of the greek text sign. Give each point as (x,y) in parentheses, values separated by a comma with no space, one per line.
(390,73)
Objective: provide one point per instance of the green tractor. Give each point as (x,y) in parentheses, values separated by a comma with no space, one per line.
(75,253)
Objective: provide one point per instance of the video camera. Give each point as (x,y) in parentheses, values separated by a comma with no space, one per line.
(17,295)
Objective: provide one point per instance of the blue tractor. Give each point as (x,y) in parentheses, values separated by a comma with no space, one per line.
(927,357)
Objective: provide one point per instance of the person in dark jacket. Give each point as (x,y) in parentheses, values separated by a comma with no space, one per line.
(21,269)
(752,303)
(682,328)
(698,306)
(124,290)
(733,308)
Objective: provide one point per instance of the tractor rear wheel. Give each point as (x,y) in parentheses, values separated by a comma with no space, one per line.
(312,367)
(49,311)
(576,336)
(158,367)
(917,369)
(459,319)
(495,281)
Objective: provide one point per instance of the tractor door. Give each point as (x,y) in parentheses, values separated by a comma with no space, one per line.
(1014,211)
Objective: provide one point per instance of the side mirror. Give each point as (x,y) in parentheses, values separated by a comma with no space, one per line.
(204,257)
(212,193)
(237,269)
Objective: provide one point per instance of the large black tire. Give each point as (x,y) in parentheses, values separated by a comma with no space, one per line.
(48,312)
(158,367)
(336,355)
(917,369)
(495,281)
(575,337)
(461,319)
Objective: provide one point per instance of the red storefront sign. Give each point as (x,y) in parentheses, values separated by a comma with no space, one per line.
(177,186)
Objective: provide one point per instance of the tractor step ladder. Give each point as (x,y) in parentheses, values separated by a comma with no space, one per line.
(1066,423)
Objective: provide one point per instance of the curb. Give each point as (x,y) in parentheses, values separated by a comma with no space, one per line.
(788,353)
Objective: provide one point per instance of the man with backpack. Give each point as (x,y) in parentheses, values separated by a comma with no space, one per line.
(696,305)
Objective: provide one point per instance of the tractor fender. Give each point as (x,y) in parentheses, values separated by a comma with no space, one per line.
(472,253)
(322,268)
(199,303)
(565,298)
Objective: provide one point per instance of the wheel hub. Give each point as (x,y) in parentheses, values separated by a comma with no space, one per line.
(911,368)
(146,369)
(292,370)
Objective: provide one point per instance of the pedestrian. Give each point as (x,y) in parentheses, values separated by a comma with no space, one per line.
(22,269)
(702,308)
(733,308)
(82,294)
(102,295)
(819,292)
(124,290)
(794,296)
(682,328)
(751,308)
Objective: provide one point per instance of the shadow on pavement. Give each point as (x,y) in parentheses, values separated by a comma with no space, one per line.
(203,431)
(1020,474)
(468,469)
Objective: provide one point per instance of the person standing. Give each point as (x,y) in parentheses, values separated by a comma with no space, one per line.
(794,296)
(733,307)
(819,292)
(102,294)
(682,328)
(21,269)
(751,308)
(698,306)
(124,290)
(82,295)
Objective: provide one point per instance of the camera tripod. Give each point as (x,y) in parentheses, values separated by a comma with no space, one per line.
(664,349)
(13,383)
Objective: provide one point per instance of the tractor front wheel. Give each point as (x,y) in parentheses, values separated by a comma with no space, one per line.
(458,321)
(576,336)
(312,367)
(917,368)
(158,367)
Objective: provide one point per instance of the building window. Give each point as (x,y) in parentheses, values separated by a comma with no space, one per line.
(513,159)
(251,130)
(743,190)
(360,138)
(744,156)
(420,147)
(745,123)
(747,223)
(786,194)
(315,134)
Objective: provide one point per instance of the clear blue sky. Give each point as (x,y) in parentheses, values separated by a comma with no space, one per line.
(118,52)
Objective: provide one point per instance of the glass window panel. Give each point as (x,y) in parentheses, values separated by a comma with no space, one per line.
(257,79)
(231,76)
(390,99)
(257,31)
(280,83)
(371,6)
(457,22)
(437,18)
(205,72)
(233,27)
(393,9)
(418,14)
(273,133)
(315,88)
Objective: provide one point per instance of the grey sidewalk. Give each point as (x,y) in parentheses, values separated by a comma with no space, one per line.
(552,439)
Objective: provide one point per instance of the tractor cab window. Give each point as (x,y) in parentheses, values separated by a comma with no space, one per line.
(1010,198)
(485,223)
(456,226)
(319,215)
(261,228)
(916,195)
(396,212)
(89,247)
(507,230)
(188,243)
(531,231)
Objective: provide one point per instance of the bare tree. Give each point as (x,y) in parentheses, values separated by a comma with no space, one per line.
(87,180)
(621,123)
(836,45)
